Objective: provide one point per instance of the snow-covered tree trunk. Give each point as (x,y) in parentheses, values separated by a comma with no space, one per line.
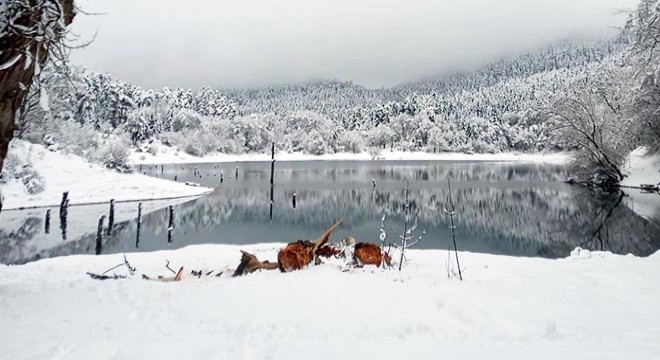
(29,31)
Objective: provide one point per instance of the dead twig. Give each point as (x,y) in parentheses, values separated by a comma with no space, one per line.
(167,265)
(130,268)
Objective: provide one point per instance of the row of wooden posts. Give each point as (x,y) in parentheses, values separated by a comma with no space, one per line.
(64,206)
(111,215)
(64,211)
(64,214)
(272,183)
(196,173)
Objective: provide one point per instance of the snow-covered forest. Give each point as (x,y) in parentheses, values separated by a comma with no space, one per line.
(495,109)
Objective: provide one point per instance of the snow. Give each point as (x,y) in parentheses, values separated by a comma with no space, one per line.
(591,305)
(87,183)
(642,169)
(44,99)
(169,155)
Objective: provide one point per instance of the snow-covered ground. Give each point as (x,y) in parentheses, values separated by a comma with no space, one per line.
(87,183)
(169,155)
(587,306)
(642,169)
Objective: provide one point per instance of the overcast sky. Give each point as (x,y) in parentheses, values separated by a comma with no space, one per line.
(250,43)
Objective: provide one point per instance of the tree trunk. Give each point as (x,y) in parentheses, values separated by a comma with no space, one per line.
(16,79)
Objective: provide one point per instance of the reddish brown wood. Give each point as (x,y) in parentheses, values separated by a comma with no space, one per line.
(370,254)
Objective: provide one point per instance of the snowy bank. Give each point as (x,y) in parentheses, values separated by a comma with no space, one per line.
(642,169)
(87,183)
(169,155)
(587,306)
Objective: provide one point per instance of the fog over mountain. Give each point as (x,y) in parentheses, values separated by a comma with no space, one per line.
(252,43)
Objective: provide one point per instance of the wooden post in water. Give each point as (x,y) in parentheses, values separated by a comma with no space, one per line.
(170,226)
(111,216)
(64,213)
(272,178)
(237,173)
(47,226)
(63,203)
(139,225)
(293,201)
(99,236)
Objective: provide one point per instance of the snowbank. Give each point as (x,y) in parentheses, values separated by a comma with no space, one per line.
(642,169)
(591,305)
(86,183)
(168,155)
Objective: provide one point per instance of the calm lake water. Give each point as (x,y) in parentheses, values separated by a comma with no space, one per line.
(501,208)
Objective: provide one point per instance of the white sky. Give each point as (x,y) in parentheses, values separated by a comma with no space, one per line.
(250,43)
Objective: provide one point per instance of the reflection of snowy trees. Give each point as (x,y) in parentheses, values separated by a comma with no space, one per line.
(516,209)
(530,221)
(15,247)
(14,243)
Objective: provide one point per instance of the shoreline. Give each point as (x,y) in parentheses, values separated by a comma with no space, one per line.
(171,157)
(35,207)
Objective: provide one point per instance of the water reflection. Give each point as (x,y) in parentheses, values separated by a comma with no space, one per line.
(514,209)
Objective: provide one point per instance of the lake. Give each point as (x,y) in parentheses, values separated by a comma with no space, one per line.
(500,208)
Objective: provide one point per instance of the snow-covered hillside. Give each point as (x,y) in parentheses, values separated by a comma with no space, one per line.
(492,110)
(587,306)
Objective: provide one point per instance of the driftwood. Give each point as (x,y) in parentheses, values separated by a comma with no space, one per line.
(103,276)
(249,264)
(296,256)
